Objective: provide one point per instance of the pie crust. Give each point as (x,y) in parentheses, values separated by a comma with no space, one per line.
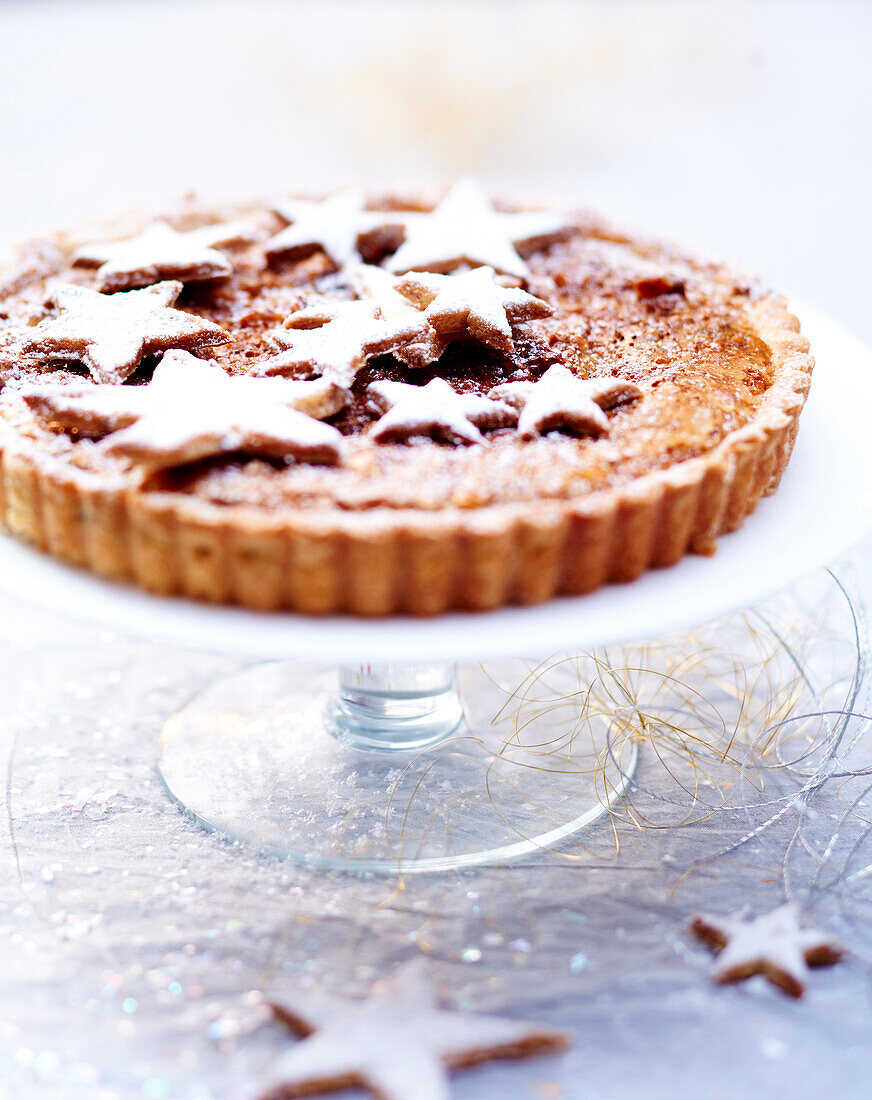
(316,555)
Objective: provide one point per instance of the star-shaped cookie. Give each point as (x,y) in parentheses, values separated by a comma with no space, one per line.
(374,284)
(335,338)
(474,304)
(436,411)
(332,224)
(382,289)
(773,945)
(398,1044)
(560,401)
(161,252)
(465,229)
(112,333)
(192,409)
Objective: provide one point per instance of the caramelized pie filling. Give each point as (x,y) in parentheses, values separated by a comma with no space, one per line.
(677,327)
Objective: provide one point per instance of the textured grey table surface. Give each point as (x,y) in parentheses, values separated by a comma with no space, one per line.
(134,946)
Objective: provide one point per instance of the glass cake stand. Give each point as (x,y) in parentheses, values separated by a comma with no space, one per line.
(422,745)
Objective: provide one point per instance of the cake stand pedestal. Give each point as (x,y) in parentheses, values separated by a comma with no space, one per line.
(389,745)
(397,766)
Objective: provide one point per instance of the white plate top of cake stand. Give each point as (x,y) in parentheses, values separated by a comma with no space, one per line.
(822,507)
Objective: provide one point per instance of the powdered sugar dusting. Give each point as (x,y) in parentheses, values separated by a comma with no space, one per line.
(773,944)
(560,400)
(111,334)
(473,304)
(336,339)
(192,410)
(435,411)
(397,1044)
(465,228)
(161,252)
(332,224)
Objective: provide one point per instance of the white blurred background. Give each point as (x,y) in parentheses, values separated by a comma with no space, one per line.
(742,126)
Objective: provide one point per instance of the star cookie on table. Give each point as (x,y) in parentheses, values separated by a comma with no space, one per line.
(465,229)
(474,304)
(436,411)
(398,1044)
(161,252)
(561,401)
(773,945)
(112,333)
(332,224)
(335,338)
(192,409)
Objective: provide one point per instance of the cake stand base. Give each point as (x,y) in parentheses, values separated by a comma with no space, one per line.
(389,768)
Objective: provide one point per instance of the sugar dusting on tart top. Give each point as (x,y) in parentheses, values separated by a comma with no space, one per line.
(673,333)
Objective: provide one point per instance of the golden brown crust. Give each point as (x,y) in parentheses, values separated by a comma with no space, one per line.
(384,563)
